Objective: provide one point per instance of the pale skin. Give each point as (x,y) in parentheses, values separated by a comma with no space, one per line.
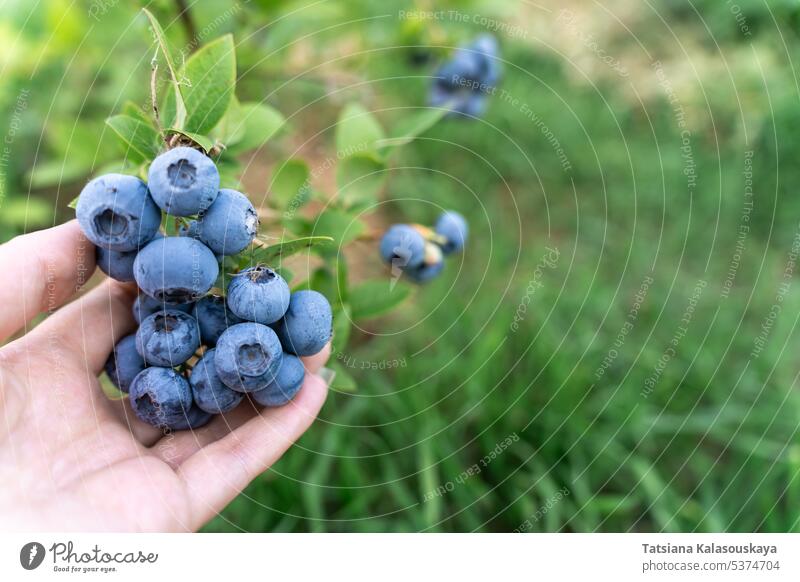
(70,458)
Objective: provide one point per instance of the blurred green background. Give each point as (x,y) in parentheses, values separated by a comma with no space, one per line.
(616,350)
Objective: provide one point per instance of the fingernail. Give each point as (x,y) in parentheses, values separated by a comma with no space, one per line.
(327,375)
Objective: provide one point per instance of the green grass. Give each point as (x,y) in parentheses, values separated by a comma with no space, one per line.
(713,447)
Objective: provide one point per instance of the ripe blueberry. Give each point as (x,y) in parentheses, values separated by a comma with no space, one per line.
(116,212)
(286,384)
(213,317)
(209,392)
(258,294)
(464,81)
(183,181)
(124,363)
(116,264)
(230,223)
(161,397)
(306,327)
(193,419)
(167,338)
(403,246)
(453,227)
(247,356)
(175,269)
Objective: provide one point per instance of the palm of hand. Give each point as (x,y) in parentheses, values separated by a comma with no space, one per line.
(70,458)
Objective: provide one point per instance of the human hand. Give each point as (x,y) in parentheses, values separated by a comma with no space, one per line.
(70,458)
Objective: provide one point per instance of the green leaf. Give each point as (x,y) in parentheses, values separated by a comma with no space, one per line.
(203,141)
(290,187)
(140,138)
(74,202)
(339,225)
(210,75)
(341,278)
(343,381)
(178,105)
(414,126)
(357,131)
(257,123)
(360,179)
(342,324)
(297,225)
(376,297)
(28,211)
(52,173)
(274,254)
(323,281)
(131,109)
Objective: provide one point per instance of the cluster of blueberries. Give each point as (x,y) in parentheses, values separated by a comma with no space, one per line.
(418,252)
(465,81)
(253,337)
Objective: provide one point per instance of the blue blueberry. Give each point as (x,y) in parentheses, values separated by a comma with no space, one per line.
(403,246)
(213,317)
(287,383)
(258,294)
(175,269)
(453,227)
(116,212)
(209,393)
(145,306)
(168,338)
(425,273)
(247,356)
(193,419)
(116,264)
(229,225)
(161,397)
(488,51)
(124,363)
(183,181)
(464,81)
(307,325)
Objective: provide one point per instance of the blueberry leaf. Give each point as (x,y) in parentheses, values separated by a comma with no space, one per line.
(131,109)
(178,104)
(412,127)
(210,80)
(274,254)
(360,179)
(339,225)
(342,324)
(290,189)
(376,297)
(140,138)
(357,131)
(255,124)
(203,141)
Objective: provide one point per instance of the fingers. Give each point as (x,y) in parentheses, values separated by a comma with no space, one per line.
(184,444)
(88,328)
(218,472)
(40,272)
